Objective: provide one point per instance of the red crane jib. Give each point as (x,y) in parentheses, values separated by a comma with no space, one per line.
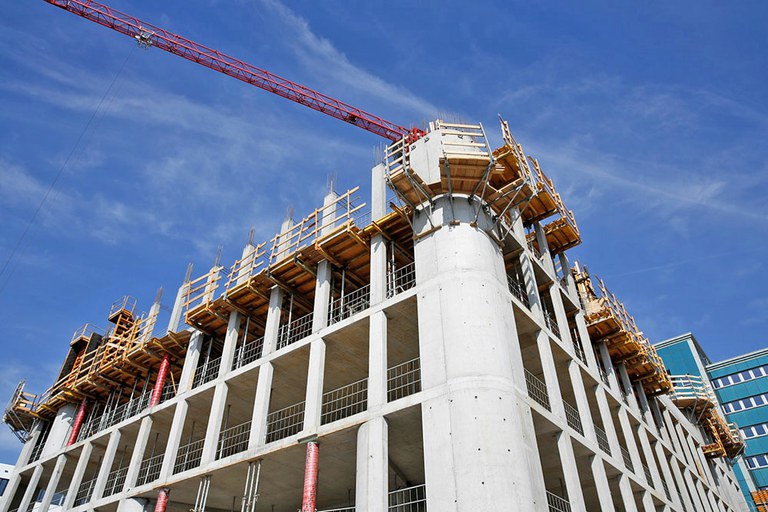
(150,35)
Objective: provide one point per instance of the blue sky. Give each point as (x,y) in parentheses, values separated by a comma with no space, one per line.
(651,117)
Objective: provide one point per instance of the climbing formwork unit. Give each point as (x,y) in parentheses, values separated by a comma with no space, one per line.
(19,414)
(608,320)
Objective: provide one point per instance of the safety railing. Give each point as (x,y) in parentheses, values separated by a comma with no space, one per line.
(691,388)
(557,504)
(86,331)
(294,331)
(206,372)
(285,422)
(169,391)
(58,497)
(578,346)
(149,471)
(248,352)
(233,440)
(549,319)
(666,488)
(115,481)
(84,492)
(189,456)
(572,417)
(248,266)
(537,390)
(602,440)
(403,379)
(345,401)
(410,499)
(126,303)
(37,451)
(342,509)
(647,473)
(401,279)
(627,459)
(518,290)
(349,304)
(204,289)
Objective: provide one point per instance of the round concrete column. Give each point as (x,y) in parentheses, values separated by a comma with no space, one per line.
(478,447)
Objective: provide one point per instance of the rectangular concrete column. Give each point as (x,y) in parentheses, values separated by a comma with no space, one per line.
(53,483)
(570,471)
(31,491)
(377,361)
(546,256)
(627,386)
(29,445)
(378,269)
(570,283)
(682,487)
(645,446)
(313,404)
(178,306)
(608,365)
(586,342)
(608,426)
(531,287)
(582,401)
(261,407)
(230,343)
(372,473)
(550,374)
(629,437)
(190,362)
(77,476)
(645,409)
(560,317)
(702,492)
(627,496)
(602,487)
(138,452)
(174,439)
(106,465)
(698,504)
(648,504)
(134,505)
(666,473)
(322,295)
(273,321)
(215,420)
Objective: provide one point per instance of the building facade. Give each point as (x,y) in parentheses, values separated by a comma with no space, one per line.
(742,392)
(434,351)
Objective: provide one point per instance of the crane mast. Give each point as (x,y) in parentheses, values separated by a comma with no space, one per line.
(149,35)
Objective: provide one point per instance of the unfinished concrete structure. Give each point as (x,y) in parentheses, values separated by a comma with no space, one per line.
(434,351)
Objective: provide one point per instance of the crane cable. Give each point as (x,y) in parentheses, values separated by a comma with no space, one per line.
(15,250)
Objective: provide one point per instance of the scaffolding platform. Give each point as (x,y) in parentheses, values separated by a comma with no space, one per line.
(19,414)
(608,320)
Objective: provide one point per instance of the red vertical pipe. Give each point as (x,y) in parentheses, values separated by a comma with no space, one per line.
(309,500)
(162,499)
(157,392)
(79,418)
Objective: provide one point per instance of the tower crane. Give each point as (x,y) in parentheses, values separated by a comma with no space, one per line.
(148,35)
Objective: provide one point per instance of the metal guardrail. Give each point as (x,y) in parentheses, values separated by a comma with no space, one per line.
(189,456)
(518,290)
(233,440)
(557,504)
(572,417)
(647,473)
(206,372)
(627,459)
(294,331)
(248,353)
(285,422)
(537,390)
(84,492)
(401,279)
(410,499)
(551,323)
(149,471)
(349,304)
(115,481)
(602,440)
(403,380)
(345,401)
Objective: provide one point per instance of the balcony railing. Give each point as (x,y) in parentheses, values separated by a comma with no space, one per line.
(518,290)
(557,504)
(149,471)
(403,380)
(206,372)
(537,390)
(189,456)
(84,492)
(349,304)
(401,279)
(285,422)
(294,331)
(411,499)
(248,352)
(627,459)
(115,481)
(572,417)
(233,440)
(602,440)
(112,416)
(345,401)
(647,473)
(58,497)
(549,319)
(666,488)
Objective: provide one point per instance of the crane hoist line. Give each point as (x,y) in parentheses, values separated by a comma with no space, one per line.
(149,35)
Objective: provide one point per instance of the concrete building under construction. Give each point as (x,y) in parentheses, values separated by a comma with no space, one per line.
(431,350)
